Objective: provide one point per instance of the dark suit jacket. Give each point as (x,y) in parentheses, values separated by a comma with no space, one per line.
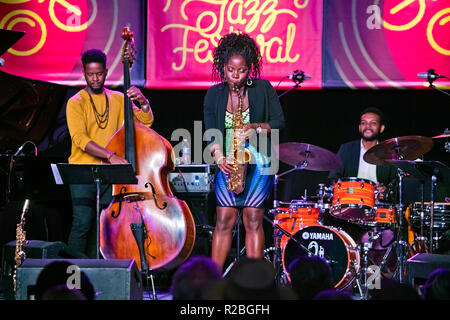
(349,153)
(263,103)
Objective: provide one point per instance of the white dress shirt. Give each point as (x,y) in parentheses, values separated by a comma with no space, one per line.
(366,170)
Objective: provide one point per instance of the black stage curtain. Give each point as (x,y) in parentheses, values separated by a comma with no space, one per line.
(325,118)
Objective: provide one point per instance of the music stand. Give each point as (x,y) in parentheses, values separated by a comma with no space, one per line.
(97,174)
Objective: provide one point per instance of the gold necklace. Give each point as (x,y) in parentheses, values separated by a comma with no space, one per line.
(101,118)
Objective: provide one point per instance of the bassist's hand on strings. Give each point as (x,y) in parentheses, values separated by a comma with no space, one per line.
(136,95)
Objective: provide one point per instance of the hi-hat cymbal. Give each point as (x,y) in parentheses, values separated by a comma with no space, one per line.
(313,157)
(401,148)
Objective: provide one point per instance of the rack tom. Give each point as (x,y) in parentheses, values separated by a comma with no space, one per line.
(385,216)
(353,199)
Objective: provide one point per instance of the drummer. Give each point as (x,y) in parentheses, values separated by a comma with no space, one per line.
(371,126)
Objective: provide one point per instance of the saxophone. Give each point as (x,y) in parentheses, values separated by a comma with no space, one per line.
(238,155)
(21,240)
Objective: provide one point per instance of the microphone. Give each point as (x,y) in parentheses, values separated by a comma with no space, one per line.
(22,146)
(299,76)
(429,75)
(2,62)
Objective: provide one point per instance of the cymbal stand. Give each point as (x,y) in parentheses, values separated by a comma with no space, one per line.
(421,238)
(400,244)
(320,204)
(299,166)
(433,184)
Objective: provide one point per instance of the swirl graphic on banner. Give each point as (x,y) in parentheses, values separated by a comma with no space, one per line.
(20,17)
(430,28)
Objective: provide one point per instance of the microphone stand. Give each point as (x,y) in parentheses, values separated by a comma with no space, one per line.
(298,77)
(297,84)
(140,234)
(434,87)
(431,80)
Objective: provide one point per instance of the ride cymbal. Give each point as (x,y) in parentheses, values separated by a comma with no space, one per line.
(308,155)
(401,148)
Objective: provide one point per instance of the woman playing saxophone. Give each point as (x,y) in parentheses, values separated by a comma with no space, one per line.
(249,105)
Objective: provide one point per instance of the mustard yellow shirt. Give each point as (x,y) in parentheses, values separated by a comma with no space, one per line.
(83,127)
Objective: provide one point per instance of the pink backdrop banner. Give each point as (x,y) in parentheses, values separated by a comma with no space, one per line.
(182,35)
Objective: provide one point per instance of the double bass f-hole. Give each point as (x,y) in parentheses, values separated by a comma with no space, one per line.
(123,190)
(154,197)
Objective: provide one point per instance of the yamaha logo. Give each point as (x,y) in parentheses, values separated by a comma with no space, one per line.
(317,236)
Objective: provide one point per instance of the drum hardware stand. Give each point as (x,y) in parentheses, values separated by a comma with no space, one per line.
(234,262)
(363,272)
(321,205)
(421,238)
(433,184)
(140,234)
(299,166)
(400,244)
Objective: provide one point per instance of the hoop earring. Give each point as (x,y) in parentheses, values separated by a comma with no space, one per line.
(249,82)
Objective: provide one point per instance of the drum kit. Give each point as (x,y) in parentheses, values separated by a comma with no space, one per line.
(299,228)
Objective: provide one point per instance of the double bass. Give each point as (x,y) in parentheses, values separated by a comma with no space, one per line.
(168,224)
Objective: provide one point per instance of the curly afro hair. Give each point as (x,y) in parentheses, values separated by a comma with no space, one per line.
(93,55)
(234,44)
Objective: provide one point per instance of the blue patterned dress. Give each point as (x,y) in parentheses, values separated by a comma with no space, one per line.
(257,185)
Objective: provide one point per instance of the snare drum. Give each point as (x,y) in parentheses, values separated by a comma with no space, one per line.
(385,216)
(295,215)
(353,199)
(326,242)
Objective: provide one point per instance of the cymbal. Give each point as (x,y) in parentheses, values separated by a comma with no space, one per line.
(315,158)
(401,148)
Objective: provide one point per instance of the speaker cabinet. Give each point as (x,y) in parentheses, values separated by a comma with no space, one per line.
(115,279)
(421,265)
(33,249)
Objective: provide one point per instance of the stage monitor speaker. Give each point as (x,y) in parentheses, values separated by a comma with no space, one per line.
(36,249)
(419,267)
(115,279)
